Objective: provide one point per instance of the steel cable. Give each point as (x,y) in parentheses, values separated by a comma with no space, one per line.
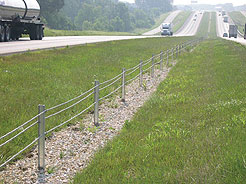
(69,119)
(110,84)
(19,152)
(71,100)
(69,106)
(18,134)
(111,79)
(22,125)
(110,93)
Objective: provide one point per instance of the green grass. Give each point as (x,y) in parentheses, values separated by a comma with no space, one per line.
(192,130)
(239,19)
(179,21)
(203,28)
(54,76)
(54,32)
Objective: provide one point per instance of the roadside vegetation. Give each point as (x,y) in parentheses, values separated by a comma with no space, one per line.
(54,76)
(239,19)
(179,21)
(204,30)
(54,32)
(192,130)
(158,22)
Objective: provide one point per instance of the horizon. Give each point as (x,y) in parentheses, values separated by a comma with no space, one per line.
(212,2)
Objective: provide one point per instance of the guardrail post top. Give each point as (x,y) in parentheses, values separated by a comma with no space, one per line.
(153,66)
(172,54)
(41,144)
(161,61)
(123,85)
(96,101)
(141,74)
(167,58)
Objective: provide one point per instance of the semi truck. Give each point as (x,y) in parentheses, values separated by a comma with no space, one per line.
(226,19)
(245,31)
(233,31)
(166,29)
(19,17)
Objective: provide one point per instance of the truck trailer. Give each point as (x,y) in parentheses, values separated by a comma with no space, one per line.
(226,19)
(233,31)
(166,29)
(19,17)
(245,31)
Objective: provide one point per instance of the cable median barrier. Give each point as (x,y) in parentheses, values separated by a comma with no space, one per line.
(113,85)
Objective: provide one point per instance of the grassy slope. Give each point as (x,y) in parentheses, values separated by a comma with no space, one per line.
(54,76)
(53,32)
(239,19)
(179,21)
(158,22)
(192,130)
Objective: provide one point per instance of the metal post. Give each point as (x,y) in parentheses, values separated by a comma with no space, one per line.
(41,143)
(180,47)
(123,85)
(153,66)
(96,101)
(141,74)
(176,52)
(161,61)
(172,53)
(167,57)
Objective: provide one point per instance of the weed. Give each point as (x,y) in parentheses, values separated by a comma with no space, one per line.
(62,154)
(50,170)
(93,129)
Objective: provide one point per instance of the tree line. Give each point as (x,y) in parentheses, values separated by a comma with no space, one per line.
(102,15)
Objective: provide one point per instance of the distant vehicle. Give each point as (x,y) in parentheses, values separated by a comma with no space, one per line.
(223,13)
(225,35)
(166,29)
(245,32)
(19,17)
(226,19)
(219,14)
(195,15)
(194,19)
(233,31)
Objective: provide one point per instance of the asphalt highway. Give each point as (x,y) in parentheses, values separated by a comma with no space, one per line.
(191,26)
(24,44)
(169,19)
(223,27)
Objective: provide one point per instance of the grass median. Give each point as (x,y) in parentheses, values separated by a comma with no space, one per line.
(54,76)
(192,130)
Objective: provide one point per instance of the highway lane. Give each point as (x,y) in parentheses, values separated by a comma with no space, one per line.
(170,18)
(223,27)
(24,44)
(191,26)
(244,13)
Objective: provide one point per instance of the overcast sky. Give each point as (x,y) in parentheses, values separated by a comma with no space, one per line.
(235,2)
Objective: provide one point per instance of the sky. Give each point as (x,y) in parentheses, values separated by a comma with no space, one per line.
(235,2)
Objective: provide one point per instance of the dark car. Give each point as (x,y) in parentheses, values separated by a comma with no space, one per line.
(225,35)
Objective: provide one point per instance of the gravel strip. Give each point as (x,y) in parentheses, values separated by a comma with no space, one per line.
(71,149)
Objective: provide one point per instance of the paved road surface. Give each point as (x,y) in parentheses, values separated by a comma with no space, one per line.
(244,13)
(223,27)
(170,18)
(191,26)
(25,44)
